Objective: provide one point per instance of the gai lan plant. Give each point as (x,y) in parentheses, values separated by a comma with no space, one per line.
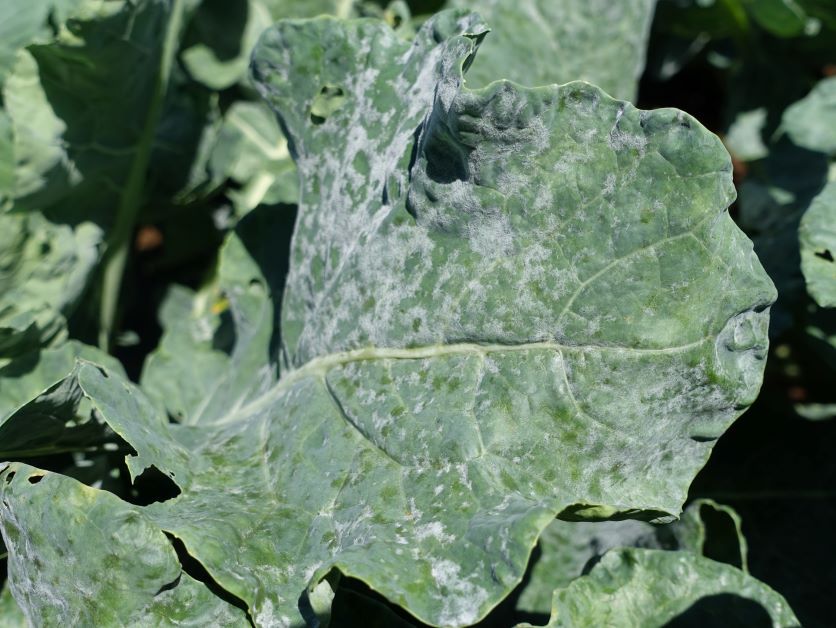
(509,312)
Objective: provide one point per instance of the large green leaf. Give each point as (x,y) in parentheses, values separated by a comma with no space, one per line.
(84,102)
(811,122)
(567,548)
(538,42)
(503,305)
(44,270)
(652,588)
(252,151)
(77,104)
(220,37)
(121,567)
(817,236)
(220,346)
(29,375)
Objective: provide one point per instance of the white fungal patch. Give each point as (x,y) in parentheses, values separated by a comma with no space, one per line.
(491,237)
(462,600)
(433,530)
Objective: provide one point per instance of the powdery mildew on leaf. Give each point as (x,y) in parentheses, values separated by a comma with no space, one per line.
(504,305)
(655,588)
(568,549)
(118,565)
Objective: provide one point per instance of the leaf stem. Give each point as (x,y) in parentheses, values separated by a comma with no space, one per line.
(116,255)
(343,9)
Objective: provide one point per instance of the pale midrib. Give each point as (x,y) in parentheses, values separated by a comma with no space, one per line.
(319,367)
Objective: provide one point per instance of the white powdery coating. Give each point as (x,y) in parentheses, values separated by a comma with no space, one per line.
(435,530)
(266,617)
(462,600)
(497,249)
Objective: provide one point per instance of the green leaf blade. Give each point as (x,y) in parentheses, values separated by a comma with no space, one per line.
(69,540)
(539,42)
(496,314)
(646,587)
(817,237)
(811,122)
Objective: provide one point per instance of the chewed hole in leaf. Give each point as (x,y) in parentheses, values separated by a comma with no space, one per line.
(152,486)
(825,255)
(34,479)
(329,100)
(721,539)
(9,477)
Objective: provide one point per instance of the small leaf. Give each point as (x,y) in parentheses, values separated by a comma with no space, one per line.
(817,237)
(811,122)
(783,18)
(653,588)
(569,548)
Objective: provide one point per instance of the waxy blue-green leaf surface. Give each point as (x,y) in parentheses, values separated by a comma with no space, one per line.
(650,588)
(119,566)
(568,548)
(10,614)
(220,345)
(811,122)
(44,270)
(503,305)
(77,102)
(817,236)
(31,374)
(538,42)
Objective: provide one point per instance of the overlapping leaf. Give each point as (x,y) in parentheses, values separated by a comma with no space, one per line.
(569,548)
(221,35)
(818,246)
(220,346)
(496,313)
(29,375)
(120,566)
(810,121)
(73,153)
(654,588)
(557,41)
(45,268)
